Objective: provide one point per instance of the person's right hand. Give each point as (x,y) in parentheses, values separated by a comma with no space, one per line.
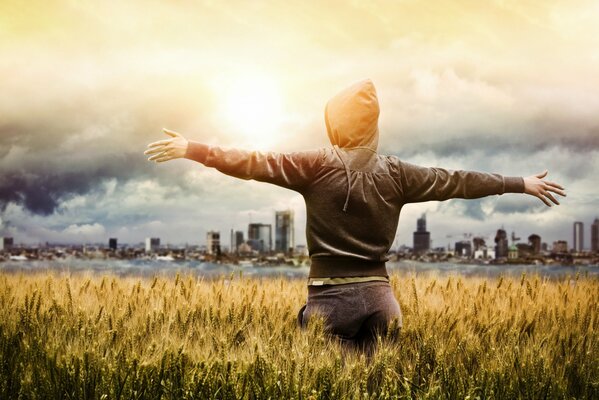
(168,149)
(535,186)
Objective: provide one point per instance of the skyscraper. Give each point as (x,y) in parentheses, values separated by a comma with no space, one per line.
(463,248)
(578,237)
(595,235)
(501,244)
(6,243)
(284,232)
(236,240)
(213,242)
(112,243)
(260,237)
(534,241)
(422,238)
(152,244)
(478,243)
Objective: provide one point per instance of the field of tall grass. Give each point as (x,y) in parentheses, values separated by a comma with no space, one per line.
(78,336)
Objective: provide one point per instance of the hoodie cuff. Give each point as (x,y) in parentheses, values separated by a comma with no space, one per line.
(513,184)
(196,151)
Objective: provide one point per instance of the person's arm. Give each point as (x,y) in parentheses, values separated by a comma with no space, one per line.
(290,170)
(431,183)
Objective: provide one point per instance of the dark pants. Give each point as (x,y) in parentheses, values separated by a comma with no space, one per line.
(355,313)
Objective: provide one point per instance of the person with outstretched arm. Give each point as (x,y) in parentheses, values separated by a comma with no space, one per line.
(353,198)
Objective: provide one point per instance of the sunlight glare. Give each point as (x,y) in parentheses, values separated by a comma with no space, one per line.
(252,107)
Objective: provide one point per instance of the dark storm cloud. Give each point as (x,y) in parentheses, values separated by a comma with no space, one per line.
(516,206)
(40,188)
(491,144)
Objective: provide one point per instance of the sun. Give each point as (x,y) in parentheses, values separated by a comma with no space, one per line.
(251,107)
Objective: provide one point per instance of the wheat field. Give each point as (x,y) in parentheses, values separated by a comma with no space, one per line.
(84,336)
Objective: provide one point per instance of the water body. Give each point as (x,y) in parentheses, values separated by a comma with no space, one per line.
(138,267)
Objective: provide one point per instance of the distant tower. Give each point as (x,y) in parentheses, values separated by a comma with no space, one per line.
(213,242)
(284,231)
(152,244)
(239,238)
(236,240)
(112,243)
(478,243)
(578,237)
(595,235)
(463,248)
(6,243)
(260,237)
(422,238)
(501,244)
(534,241)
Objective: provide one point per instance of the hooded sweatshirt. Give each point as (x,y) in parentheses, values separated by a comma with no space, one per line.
(353,194)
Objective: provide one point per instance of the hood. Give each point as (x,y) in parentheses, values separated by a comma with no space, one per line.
(352,116)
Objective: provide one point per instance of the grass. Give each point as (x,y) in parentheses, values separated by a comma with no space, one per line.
(104,337)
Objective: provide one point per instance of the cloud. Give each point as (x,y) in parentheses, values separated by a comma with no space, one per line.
(517,205)
(84,230)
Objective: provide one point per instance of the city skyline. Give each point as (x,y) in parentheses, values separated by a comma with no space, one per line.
(421,242)
(86,91)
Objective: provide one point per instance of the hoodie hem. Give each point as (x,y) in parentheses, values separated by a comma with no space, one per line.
(338,267)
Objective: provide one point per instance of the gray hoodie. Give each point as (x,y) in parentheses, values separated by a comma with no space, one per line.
(353,194)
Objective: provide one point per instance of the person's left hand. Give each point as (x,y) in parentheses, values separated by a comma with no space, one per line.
(168,149)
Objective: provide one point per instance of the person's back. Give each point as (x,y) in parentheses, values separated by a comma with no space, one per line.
(353,199)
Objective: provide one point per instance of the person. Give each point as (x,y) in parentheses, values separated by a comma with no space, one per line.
(353,198)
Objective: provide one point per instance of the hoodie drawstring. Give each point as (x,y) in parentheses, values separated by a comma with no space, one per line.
(346,175)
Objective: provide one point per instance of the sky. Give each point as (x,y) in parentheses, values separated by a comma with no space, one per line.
(510,87)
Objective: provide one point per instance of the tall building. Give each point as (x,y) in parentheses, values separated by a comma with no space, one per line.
(236,240)
(463,248)
(595,235)
(152,244)
(578,237)
(501,244)
(112,243)
(422,238)
(213,242)
(6,243)
(284,232)
(478,243)
(260,237)
(534,241)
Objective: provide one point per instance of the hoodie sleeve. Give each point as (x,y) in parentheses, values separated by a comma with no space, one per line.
(424,184)
(290,170)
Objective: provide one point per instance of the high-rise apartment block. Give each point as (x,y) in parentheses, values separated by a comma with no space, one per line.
(463,248)
(501,244)
(578,236)
(595,235)
(236,240)
(6,243)
(213,242)
(422,238)
(534,241)
(284,231)
(152,244)
(260,237)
